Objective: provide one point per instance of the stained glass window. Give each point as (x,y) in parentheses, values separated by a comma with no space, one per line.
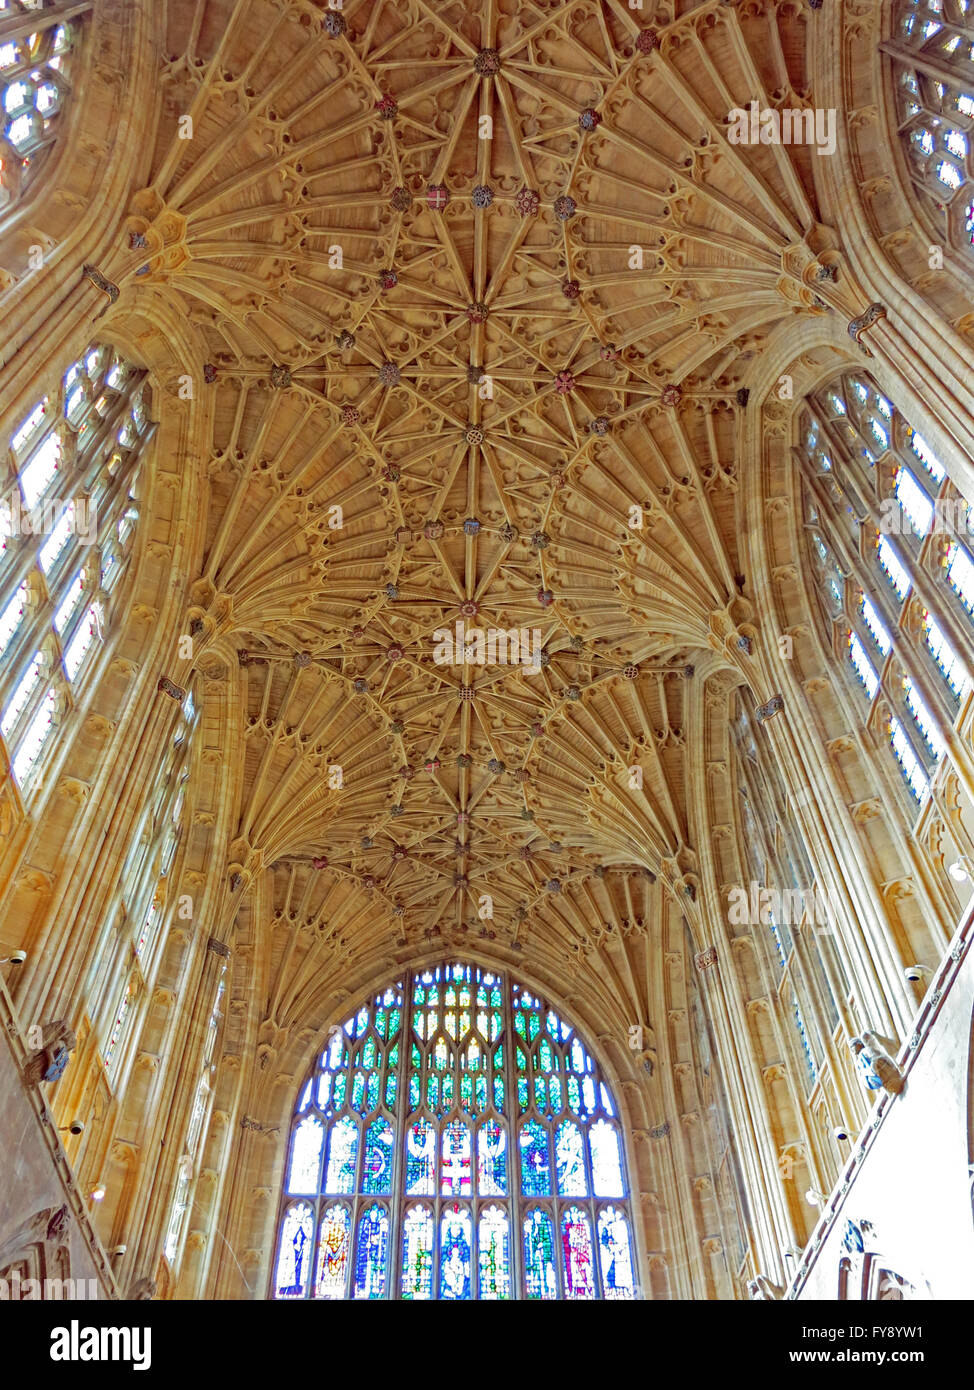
(430,1205)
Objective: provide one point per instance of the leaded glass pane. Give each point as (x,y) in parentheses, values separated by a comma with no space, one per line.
(455,1253)
(576,1246)
(333,1248)
(370,1256)
(539,1264)
(495,1254)
(417,1253)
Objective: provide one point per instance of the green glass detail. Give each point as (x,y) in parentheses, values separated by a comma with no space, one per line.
(499,1094)
(519,1025)
(358,1090)
(480,1092)
(432,1091)
(372,1091)
(394,1056)
(554,1090)
(522,1092)
(338,1091)
(448,1090)
(521,1059)
(495,1026)
(391,1080)
(574,1094)
(545,1056)
(534,1026)
(418,1021)
(380,1022)
(450,1023)
(413,1091)
(495,997)
(395,1019)
(540,1099)
(369,1053)
(466,1090)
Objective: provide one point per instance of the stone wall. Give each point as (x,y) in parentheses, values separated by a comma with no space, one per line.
(905,1196)
(45,1232)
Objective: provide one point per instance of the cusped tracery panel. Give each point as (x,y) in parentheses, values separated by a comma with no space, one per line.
(37,45)
(455,1140)
(933,69)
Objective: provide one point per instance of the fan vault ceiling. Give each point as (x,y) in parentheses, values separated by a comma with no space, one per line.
(515,365)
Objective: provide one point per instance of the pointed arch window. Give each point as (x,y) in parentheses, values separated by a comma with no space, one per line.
(455,1141)
(932,52)
(890,538)
(38,43)
(67,511)
(146,900)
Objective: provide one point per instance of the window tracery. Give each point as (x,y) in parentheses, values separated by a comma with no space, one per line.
(145,902)
(933,74)
(890,543)
(67,526)
(38,43)
(192,1148)
(455,1141)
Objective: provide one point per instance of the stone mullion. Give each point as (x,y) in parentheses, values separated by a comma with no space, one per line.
(62,988)
(925,62)
(681,1150)
(188,1042)
(244,1225)
(215,808)
(818,856)
(750,1113)
(957,748)
(910,658)
(870,966)
(120,783)
(746,1093)
(819,1010)
(790,1049)
(157,1038)
(20,26)
(814,774)
(682,1268)
(871,580)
